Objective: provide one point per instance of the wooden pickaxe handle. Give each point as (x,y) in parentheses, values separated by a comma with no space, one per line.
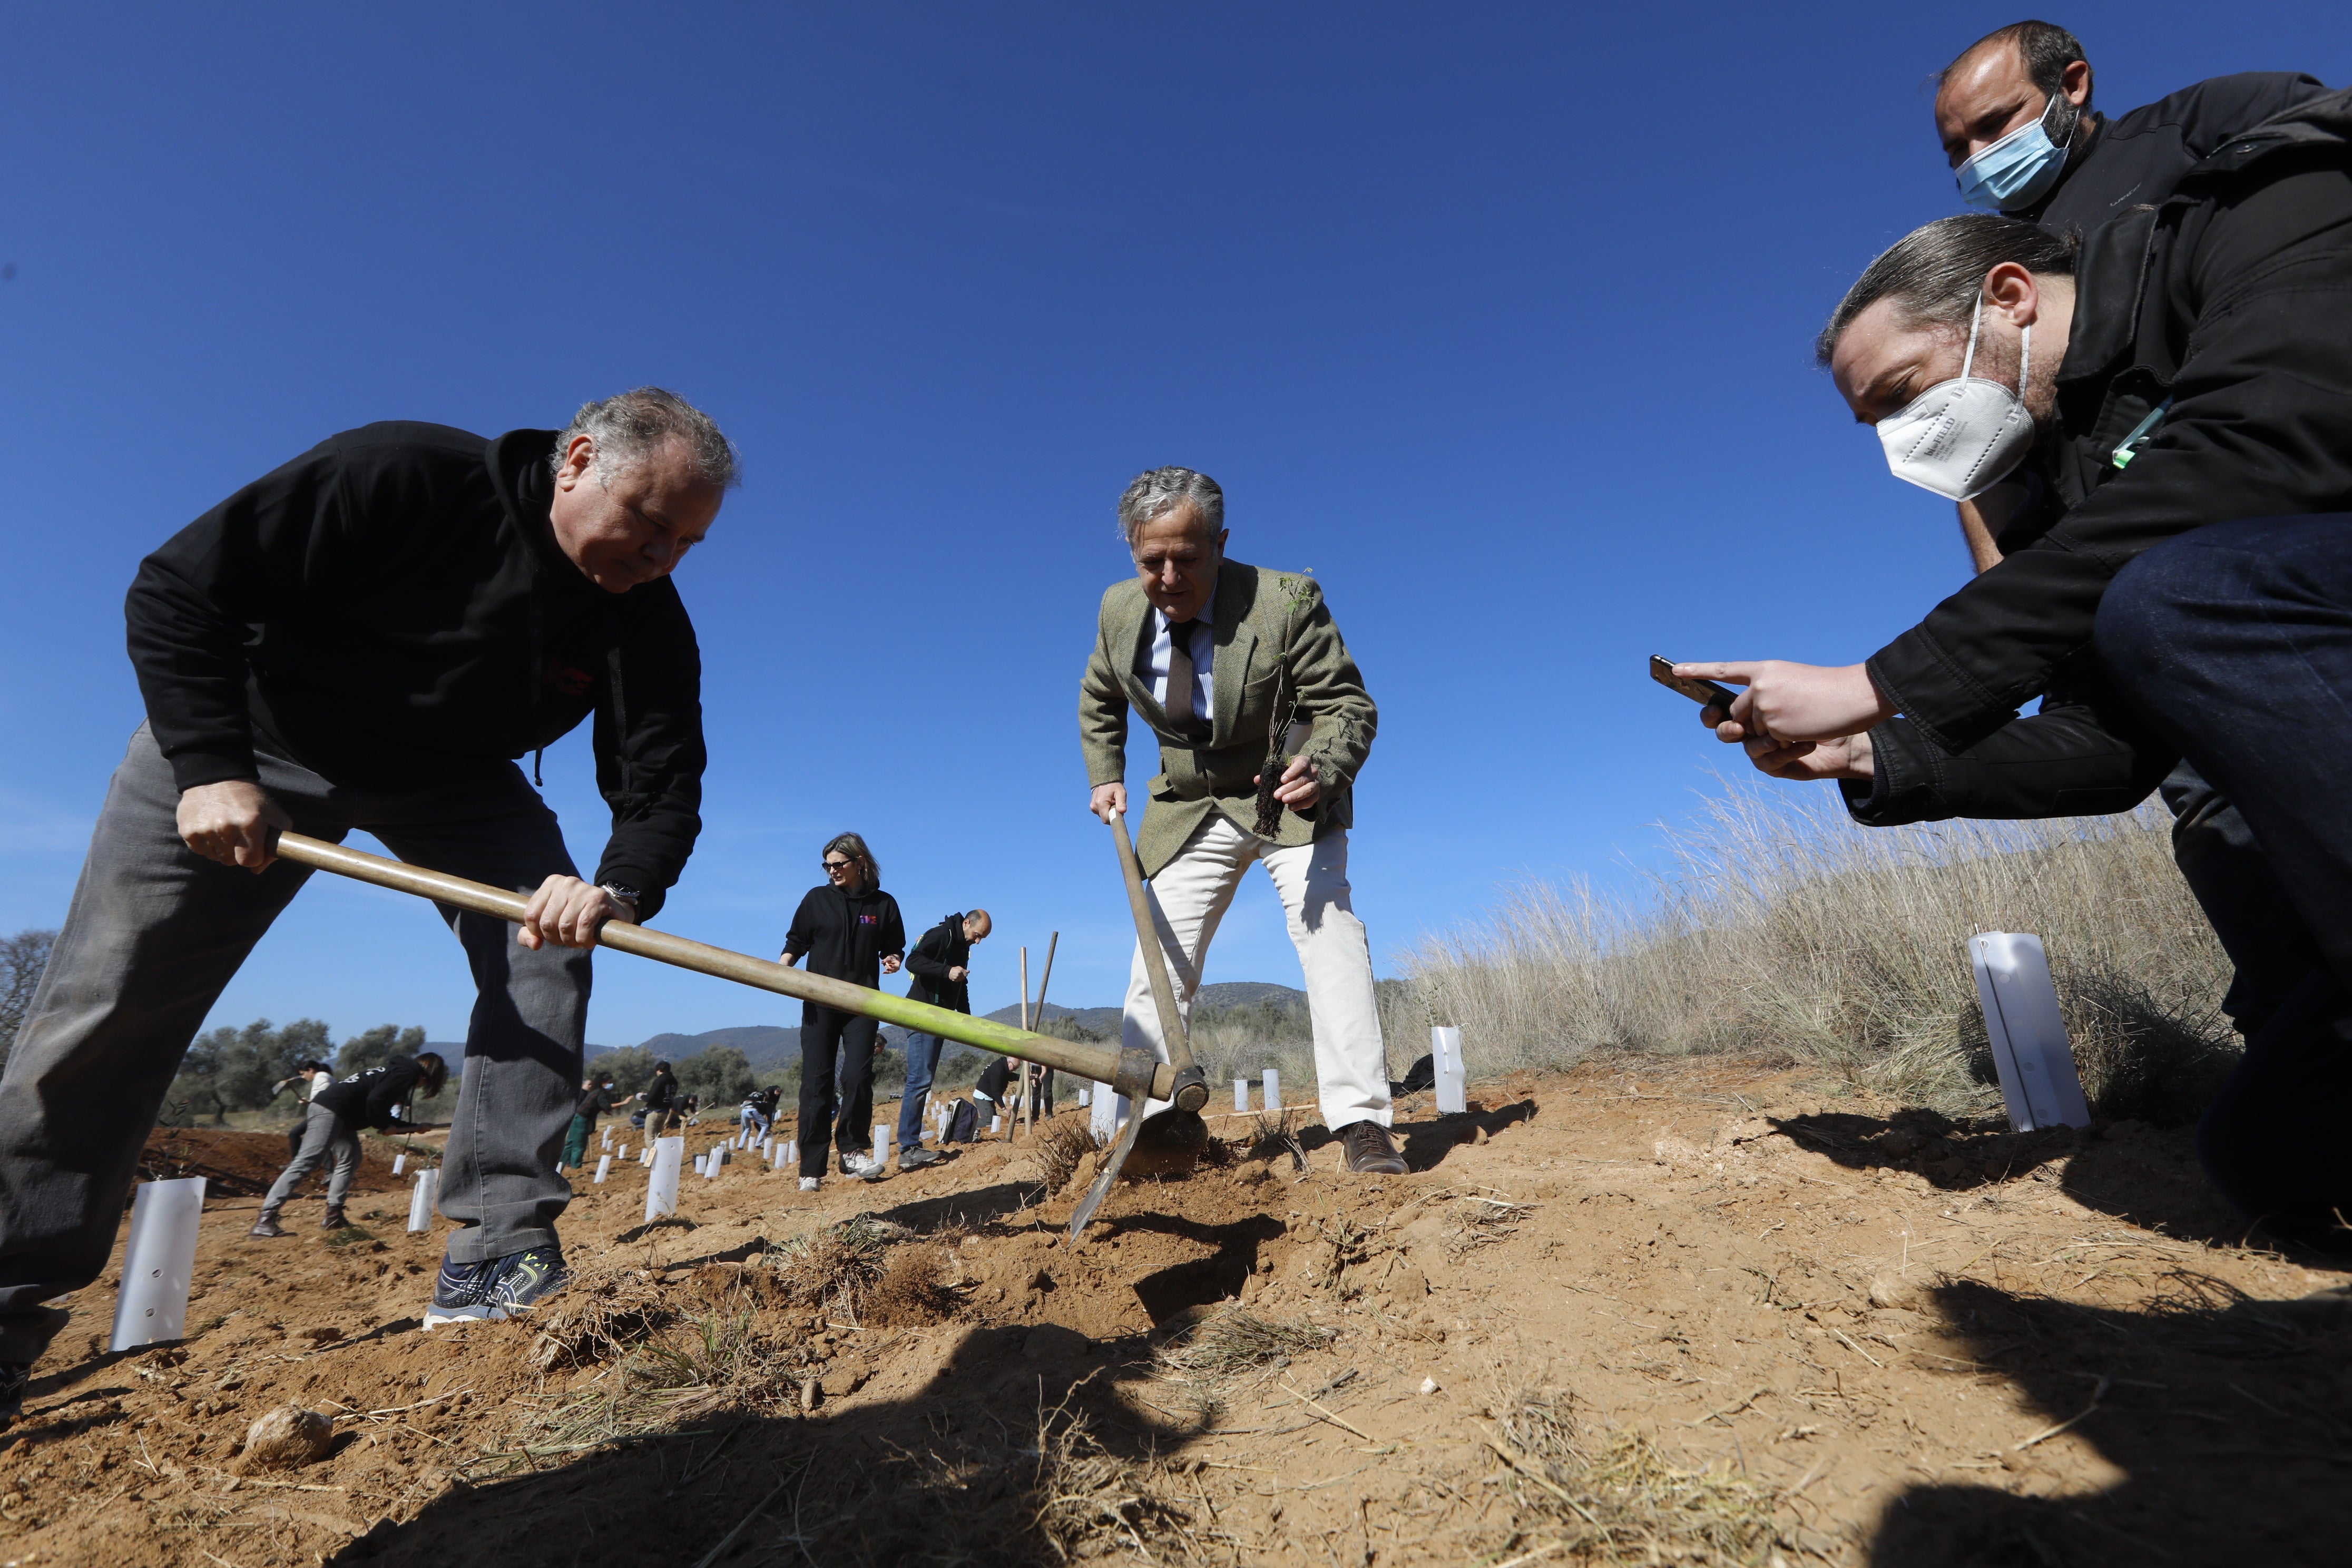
(1102,1064)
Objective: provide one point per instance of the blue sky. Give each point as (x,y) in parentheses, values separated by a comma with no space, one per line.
(1497,317)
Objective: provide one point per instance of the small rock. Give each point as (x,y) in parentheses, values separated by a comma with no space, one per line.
(1410,1284)
(808,1392)
(1892,1291)
(320,1335)
(287,1436)
(842,1382)
(1428,1385)
(1482,1136)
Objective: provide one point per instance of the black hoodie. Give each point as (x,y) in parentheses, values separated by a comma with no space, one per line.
(389,610)
(367,1098)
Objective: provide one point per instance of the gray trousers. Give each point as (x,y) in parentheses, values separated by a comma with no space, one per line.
(323,1133)
(154,934)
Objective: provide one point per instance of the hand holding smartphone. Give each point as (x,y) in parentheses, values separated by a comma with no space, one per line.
(1706,693)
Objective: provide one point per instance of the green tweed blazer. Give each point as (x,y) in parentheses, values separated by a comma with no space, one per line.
(1266,622)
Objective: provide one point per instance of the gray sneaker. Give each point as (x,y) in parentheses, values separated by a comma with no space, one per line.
(918,1157)
(499,1288)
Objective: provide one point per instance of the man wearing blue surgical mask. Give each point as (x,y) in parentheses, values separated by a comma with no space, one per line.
(2014,114)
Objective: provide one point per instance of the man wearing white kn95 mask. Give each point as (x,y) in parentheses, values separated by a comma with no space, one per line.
(2189,387)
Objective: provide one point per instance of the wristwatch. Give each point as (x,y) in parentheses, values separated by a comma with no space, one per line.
(625,894)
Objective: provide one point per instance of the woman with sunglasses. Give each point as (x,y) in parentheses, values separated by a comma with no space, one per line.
(848,928)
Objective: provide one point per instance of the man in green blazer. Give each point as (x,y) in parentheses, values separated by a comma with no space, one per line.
(1213,654)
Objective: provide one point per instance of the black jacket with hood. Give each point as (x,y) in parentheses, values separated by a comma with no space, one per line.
(391,610)
(367,1098)
(2208,377)
(2137,158)
(941,948)
(2084,753)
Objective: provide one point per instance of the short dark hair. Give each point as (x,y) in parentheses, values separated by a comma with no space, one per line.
(1935,273)
(661,1066)
(434,1071)
(2046,47)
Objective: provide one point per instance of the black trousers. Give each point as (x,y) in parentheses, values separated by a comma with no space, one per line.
(2235,641)
(834,1044)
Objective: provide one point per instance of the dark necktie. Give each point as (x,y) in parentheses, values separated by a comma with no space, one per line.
(1181,718)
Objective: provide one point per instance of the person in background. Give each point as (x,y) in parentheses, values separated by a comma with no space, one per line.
(940,964)
(848,928)
(759,1112)
(312,1076)
(662,1101)
(691,1110)
(371,1099)
(595,1100)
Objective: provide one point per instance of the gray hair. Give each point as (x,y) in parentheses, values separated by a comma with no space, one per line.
(629,426)
(1935,273)
(1155,494)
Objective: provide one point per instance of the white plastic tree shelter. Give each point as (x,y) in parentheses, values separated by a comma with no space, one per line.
(604,1167)
(1445,1058)
(661,1187)
(158,1263)
(1241,1094)
(699,1161)
(2030,1050)
(399,1163)
(1274,1089)
(422,1199)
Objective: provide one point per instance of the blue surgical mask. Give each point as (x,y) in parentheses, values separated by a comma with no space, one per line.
(2019,170)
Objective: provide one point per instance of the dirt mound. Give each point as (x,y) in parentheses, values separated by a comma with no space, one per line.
(243,1164)
(1695,1318)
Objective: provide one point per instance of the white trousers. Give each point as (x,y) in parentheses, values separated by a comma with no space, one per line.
(1191,894)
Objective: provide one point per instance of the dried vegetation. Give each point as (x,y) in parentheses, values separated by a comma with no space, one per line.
(1784,931)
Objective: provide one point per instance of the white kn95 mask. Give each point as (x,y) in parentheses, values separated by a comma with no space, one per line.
(1961,438)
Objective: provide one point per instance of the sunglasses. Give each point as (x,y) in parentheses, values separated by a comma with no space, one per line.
(837,865)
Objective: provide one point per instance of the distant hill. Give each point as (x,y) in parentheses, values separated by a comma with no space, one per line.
(1225,997)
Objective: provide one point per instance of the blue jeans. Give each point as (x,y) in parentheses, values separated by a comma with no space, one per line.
(2235,642)
(922,1061)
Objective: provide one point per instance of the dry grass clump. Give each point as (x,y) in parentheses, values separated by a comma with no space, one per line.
(1237,1339)
(833,1270)
(1625,1503)
(1068,1142)
(601,1314)
(1783,928)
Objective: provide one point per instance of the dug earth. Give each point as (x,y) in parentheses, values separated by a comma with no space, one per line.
(1624,1314)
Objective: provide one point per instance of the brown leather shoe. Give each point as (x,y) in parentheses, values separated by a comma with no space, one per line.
(1371,1151)
(334,1219)
(267,1226)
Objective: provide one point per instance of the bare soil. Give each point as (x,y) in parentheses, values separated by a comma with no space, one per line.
(1624,1314)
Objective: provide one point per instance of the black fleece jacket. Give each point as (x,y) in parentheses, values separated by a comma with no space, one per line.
(938,950)
(366,1099)
(2232,300)
(389,610)
(2137,158)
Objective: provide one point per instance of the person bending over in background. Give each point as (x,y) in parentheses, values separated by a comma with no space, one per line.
(313,1076)
(1213,654)
(2182,386)
(940,964)
(375,1098)
(368,637)
(759,1112)
(848,928)
(595,1100)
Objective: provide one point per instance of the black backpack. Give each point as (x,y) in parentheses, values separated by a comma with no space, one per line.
(963,1124)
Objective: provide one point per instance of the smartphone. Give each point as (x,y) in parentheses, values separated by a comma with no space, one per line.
(1662,670)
